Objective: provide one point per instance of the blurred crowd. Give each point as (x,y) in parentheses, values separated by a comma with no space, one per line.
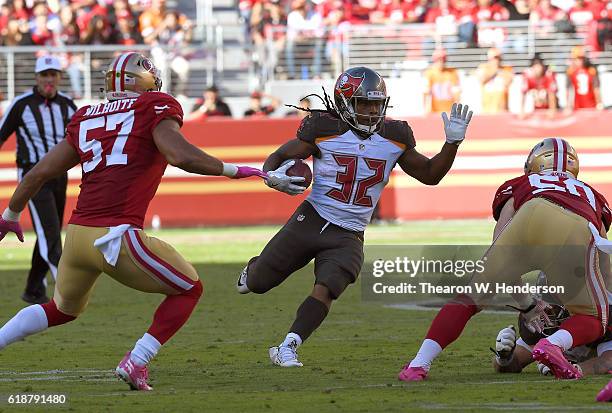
(320,24)
(98,22)
(538,85)
(74,22)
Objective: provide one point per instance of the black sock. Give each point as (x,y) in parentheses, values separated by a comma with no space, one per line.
(309,317)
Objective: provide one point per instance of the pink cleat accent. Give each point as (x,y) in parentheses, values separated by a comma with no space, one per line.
(605,395)
(412,374)
(550,355)
(135,376)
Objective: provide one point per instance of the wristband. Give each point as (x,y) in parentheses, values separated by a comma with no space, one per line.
(229,169)
(9,215)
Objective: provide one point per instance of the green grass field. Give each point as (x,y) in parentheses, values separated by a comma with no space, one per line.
(219,361)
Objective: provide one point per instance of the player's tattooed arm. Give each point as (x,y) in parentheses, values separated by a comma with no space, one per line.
(294,149)
(425,170)
(56,162)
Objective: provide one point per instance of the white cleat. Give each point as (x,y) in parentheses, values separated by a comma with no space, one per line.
(284,356)
(241,285)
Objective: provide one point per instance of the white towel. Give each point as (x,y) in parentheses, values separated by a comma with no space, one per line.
(110,244)
(602,244)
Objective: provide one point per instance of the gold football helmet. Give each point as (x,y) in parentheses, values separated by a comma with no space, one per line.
(554,155)
(130,74)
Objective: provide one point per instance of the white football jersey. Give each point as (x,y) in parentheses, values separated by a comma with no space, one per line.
(350,172)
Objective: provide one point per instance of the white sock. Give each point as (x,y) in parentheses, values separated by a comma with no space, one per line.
(290,338)
(427,353)
(145,349)
(28,321)
(561,338)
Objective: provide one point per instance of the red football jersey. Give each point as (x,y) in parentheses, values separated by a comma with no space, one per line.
(583,82)
(541,87)
(121,165)
(569,193)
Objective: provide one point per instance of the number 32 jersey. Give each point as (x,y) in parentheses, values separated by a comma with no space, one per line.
(121,164)
(569,193)
(350,172)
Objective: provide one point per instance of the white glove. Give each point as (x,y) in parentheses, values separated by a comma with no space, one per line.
(505,344)
(279,180)
(456,126)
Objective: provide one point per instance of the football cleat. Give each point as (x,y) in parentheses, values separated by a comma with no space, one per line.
(135,376)
(551,356)
(284,356)
(605,395)
(241,285)
(412,373)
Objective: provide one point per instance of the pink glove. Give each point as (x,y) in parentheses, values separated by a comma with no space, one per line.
(10,226)
(246,171)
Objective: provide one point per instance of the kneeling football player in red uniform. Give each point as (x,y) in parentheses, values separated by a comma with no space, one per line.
(550,221)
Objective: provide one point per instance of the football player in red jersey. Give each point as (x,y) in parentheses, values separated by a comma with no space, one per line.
(550,221)
(123,146)
(582,82)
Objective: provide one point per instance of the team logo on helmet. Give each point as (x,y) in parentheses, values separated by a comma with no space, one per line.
(147,65)
(348,85)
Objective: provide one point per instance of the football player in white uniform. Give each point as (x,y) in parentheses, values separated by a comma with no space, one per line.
(354,150)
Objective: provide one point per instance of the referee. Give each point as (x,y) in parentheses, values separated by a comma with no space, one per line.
(39,118)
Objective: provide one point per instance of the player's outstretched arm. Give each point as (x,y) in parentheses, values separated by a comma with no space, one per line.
(59,159)
(431,171)
(182,154)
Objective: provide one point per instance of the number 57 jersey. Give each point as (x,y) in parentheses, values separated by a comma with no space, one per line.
(120,162)
(349,171)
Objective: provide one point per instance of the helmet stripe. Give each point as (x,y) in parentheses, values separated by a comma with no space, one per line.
(115,72)
(555,155)
(560,155)
(565,153)
(125,62)
(118,66)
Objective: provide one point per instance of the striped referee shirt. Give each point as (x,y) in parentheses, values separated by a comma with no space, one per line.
(38,122)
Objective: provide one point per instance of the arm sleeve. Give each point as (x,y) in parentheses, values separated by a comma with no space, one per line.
(606,215)
(163,106)
(8,123)
(308,131)
(503,194)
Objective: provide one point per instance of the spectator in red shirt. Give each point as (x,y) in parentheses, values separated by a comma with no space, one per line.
(486,11)
(256,109)
(582,82)
(20,10)
(545,15)
(541,84)
(5,16)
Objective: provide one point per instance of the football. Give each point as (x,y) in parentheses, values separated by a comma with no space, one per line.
(300,168)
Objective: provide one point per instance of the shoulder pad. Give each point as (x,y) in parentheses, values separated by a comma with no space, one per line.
(319,124)
(398,131)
